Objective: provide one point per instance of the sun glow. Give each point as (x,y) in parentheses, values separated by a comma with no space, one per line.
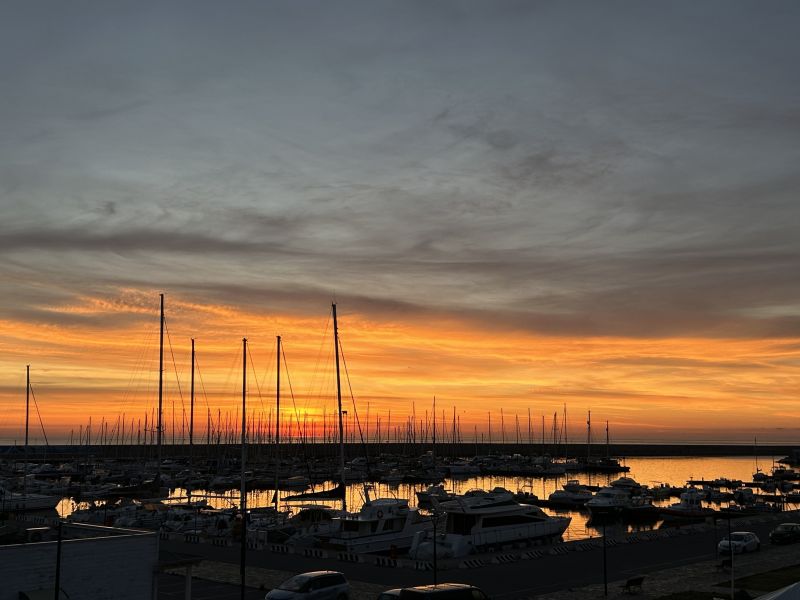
(104,367)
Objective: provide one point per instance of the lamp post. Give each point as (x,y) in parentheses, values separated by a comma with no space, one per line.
(730,551)
(58,564)
(435,565)
(605,564)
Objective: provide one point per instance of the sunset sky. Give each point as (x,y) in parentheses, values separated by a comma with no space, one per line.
(515,204)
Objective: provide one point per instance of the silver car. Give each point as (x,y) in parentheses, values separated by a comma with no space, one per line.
(315,585)
(739,542)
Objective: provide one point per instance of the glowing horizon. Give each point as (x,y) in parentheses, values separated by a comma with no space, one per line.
(667,390)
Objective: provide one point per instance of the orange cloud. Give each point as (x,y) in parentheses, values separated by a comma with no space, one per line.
(106,365)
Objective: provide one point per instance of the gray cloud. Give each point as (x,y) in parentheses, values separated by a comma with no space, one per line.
(614,170)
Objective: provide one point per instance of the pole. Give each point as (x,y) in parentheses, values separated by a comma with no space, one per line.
(160,384)
(243,495)
(57,590)
(435,564)
(277,421)
(191,412)
(27,402)
(605,564)
(434,441)
(27,415)
(730,552)
(339,400)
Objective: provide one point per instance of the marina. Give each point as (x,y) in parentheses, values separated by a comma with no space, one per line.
(655,473)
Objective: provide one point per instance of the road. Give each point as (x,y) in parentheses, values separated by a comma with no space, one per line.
(519,579)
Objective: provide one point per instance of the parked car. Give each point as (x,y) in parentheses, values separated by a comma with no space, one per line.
(785,533)
(740,541)
(442,591)
(315,585)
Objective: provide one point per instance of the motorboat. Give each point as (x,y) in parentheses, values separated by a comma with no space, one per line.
(573,494)
(15,502)
(609,501)
(628,484)
(433,493)
(690,506)
(483,521)
(383,525)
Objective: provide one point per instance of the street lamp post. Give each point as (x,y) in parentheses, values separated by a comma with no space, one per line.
(605,564)
(435,565)
(730,551)
(57,591)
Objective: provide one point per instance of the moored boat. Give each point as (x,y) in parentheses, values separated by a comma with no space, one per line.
(484,521)
(383,525)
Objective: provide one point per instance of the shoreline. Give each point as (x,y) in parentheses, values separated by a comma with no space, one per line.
(443,450)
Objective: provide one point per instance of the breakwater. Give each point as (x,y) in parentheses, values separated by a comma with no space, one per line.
(353,450)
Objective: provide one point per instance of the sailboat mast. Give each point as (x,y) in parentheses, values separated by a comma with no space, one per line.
(434,432)
(242,491)
(27,403)
(160,384)
(191,411)
(589,437)
(27,415)
(339,400)
(277,420)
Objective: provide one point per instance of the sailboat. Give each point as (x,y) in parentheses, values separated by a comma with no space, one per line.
(604,464)
(13,502)
(337,492)
(153,488)
(380,525)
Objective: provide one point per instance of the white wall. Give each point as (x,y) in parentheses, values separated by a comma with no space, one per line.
(108,568)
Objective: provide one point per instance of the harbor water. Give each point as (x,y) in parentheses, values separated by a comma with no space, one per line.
(650,471)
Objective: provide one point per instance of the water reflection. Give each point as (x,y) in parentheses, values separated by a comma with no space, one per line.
(647,471)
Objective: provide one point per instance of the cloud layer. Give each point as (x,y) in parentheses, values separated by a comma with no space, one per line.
(617,170)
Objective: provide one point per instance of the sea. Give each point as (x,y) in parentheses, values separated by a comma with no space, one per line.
(649,471)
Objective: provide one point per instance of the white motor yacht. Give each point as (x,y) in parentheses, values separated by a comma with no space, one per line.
(573,494)
(479,522)
(609,501)
(14,502)
(381,525)
(689,507)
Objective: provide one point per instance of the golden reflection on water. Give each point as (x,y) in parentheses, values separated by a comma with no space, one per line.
(647,471)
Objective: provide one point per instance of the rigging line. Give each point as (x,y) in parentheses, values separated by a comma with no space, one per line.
(184,424)
(41,423)
(205,396)
(255,377)
(291,393)
(350,387)
(297,416)
(267,369)
(323,345)
(200,377)
(132,390)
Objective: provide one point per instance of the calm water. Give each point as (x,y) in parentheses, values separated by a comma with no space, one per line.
(647,471)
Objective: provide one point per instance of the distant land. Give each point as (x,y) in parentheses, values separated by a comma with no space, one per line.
(352,450)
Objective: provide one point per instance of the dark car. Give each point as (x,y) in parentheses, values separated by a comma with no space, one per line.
(785,533)
(316,585)
(443,591)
